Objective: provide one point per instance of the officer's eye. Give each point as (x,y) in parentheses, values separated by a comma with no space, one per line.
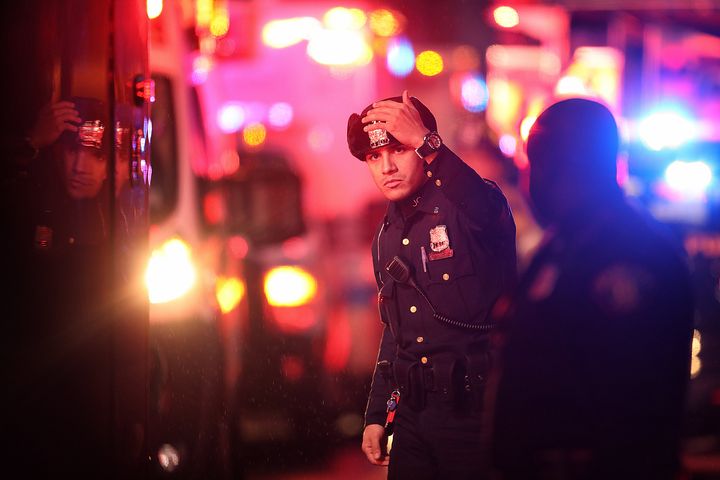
(371,156)
(400,149)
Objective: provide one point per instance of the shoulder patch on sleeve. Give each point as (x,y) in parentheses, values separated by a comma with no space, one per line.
(621,289)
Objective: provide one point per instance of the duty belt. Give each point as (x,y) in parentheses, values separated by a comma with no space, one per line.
(454,379)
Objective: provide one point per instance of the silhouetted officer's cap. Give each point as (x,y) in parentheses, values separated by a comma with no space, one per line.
(94,123)
(361,142)
(576,135)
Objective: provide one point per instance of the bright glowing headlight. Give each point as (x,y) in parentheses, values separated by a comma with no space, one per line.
(228,293)
(170,272)
(289,286)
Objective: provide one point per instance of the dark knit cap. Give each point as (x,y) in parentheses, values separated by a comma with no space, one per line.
(361,142)
(94,130)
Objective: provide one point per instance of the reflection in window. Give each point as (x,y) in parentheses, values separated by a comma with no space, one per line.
(163,151)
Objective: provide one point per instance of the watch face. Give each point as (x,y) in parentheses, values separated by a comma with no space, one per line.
(434,141)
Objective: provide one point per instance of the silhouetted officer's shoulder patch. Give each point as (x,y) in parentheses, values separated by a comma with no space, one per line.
(621,289)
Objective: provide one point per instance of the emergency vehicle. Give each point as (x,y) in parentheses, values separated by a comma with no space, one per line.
(260,289)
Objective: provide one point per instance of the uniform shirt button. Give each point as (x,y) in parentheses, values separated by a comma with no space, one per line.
(428,173)
(424,360)
(436,210)
(405,241)
(438,182)
(446,276)
(413,309)
(71,240)
(419,339)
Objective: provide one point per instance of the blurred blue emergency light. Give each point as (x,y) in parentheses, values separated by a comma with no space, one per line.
(690,178)
(666,128)
(474,93)
(400,57)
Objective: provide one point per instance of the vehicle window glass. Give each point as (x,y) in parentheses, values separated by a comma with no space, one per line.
(163,151)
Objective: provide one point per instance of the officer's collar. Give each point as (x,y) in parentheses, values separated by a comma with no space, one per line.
(424,200)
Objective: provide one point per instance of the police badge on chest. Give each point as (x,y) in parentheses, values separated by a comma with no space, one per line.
(439,243)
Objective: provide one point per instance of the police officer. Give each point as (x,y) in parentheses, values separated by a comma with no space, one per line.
(595,362)
(57,346)
(442,255)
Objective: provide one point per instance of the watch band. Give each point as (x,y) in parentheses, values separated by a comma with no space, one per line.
(431,144)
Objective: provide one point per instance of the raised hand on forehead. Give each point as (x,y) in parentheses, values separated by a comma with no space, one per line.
(401,120)
(52,120)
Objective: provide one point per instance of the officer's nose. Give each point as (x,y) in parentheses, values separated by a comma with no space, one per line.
(388,164)
(82,161)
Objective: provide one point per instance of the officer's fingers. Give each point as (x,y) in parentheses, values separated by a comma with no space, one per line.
(388,104)
(62,109)
(369,117)
(381,113)
(67,126)
(63,104)
(388,122)
(372,453)
(372,436)
(394,111)
(373,443)
(386,107)
(407,105)
(375,126)
(68,116)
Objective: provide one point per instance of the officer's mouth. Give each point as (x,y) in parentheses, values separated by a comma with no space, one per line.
(74,183)
(392,183)
(79,185)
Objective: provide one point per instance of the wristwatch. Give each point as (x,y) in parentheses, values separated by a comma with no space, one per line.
(431,144)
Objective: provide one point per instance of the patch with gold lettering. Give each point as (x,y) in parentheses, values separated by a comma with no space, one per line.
(439,243)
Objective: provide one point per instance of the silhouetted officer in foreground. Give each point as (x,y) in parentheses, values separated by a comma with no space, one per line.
(596,352)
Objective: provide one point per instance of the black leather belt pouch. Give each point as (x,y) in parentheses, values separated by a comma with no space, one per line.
(410,383)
